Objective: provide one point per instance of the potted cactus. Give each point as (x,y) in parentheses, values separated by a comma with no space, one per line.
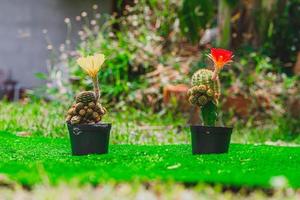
(205,93)
(88,134)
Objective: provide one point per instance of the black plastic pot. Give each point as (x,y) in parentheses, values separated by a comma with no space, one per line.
(89,139)
(206,139)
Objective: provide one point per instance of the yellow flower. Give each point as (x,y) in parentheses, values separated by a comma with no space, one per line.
(91,64)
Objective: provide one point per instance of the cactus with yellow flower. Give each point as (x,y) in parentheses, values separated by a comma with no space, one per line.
(205,90)
(87,108)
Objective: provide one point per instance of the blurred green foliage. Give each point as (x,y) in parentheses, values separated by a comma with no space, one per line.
(153,35)
(146,34)
(273,25)
(284,34)
(133,46)
(195,16)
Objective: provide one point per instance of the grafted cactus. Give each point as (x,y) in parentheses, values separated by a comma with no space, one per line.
(87,108)
(205,90)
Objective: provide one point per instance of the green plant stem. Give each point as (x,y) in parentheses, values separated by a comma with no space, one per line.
(96,88)
(209,114)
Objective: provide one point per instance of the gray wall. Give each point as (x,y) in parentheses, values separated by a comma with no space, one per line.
(22,42)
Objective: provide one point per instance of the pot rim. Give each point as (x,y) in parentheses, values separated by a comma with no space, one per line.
(202,126)
(101,124)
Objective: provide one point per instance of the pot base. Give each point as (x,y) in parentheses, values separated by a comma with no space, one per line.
(210,140)
(89,139)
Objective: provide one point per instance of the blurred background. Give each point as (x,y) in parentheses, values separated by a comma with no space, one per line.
(152,48)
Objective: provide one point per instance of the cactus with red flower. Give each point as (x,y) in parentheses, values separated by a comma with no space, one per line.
(205,90)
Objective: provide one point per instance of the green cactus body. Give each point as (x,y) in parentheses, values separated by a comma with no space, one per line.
(204,86)
(205,93)
(86,97)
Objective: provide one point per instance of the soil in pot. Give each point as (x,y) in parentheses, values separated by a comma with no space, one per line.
(209,140)
(89,138)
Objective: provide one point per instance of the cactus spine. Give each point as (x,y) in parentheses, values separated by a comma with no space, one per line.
(205,93)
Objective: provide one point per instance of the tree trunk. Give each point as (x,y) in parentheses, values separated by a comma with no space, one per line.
(224,17)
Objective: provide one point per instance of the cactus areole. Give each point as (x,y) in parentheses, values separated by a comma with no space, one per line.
(87,133)
(205,93)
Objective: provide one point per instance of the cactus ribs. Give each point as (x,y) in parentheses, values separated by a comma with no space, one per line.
(204,89)
(205,93)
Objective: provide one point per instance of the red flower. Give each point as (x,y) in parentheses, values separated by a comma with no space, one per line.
(220,57)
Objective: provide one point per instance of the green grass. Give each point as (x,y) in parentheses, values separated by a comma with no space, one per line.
(34,160)
(130,126)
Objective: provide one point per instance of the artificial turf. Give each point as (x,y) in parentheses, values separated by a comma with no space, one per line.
(33,160)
